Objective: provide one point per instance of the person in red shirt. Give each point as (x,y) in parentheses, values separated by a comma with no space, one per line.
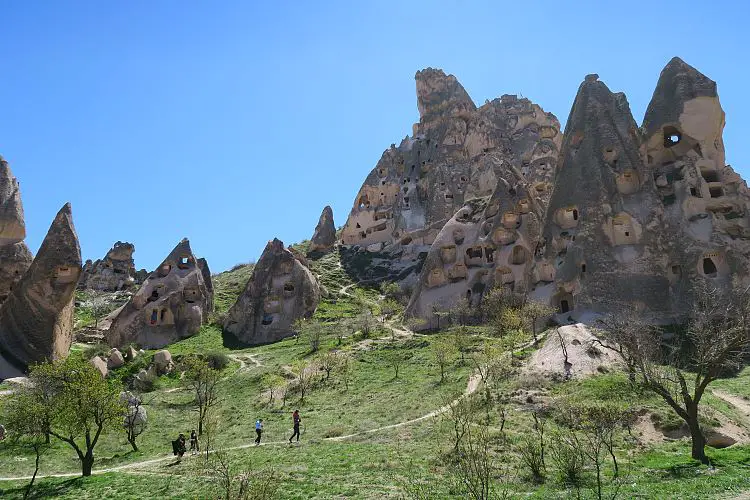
(296,420)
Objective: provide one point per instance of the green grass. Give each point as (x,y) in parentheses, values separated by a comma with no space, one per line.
(229,285)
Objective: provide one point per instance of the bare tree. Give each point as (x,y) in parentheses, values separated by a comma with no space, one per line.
(461,341)
(99,305)
(135,420)
(304,374)
(396,359)
(328,362)
(443,352)
(345,370)
(716,341)
(203,381)
(241,483)
(532,313)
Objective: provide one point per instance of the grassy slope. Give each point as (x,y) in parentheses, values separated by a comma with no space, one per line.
(367,466)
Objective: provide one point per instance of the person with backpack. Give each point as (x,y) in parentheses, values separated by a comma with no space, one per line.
(258,430)
(296,421)
(194,446)
(178,447)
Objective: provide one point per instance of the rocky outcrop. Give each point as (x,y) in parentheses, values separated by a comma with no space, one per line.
(604,230)
(15,257)
(281,290)
(457,152)
(115,272)
(206,273)
(36,320)
(172,304)
(324,236)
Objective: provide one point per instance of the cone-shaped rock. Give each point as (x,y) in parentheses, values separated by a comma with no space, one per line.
(454,155)
(116,271)
(603,224)
(172,304)
(281,290)
(324,237)
(12,227)
(206,272)
(36,320)
(705,203)
(15,259)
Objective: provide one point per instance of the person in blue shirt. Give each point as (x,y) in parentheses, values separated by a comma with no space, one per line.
(258,430)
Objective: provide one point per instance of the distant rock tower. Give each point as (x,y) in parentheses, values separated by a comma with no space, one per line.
(324,236)
(15,257)
(281,290)
(172,304)
(116,271)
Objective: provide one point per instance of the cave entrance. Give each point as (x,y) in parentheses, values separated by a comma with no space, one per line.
(709,268)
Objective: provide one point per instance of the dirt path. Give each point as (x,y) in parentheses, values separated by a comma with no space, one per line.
(738,402)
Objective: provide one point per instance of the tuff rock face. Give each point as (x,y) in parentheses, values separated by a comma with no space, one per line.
(15,257)
(635,215)
(172,304)
(604,229)
(36,320)
(206,273)
(116,271)
(324,236)
(281,290)
(457,152)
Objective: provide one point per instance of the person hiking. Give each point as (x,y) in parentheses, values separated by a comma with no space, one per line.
(194,446)
(178,447)
(295,420)
(258,430)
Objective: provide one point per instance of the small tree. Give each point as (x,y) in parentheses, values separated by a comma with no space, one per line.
(304,373)
(345,370)
(462,312)
(328,362)
(389,308)
(365,323)
(271,384)
(135,421)
(440,314)
(99,305)
(461,342)
(532,447)
(396,359)
(203,381)
(77,403)
(241,484)
(532,313)
(443,353)
(27,426)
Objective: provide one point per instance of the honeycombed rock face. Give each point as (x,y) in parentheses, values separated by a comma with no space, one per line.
(454,155)
(15,257)
(172,304)
(491,242)
(36,320)
(324,236)
(604,226)
(116,271)
(705,203)
(281,290)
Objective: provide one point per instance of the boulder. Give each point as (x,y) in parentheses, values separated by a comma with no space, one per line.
(36,320)
(115,360)
(163,361)
(131,353)
(100,364)
(172,304)
(281,290)
(324,236)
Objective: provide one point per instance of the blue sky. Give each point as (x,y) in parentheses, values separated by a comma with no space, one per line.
(233,122)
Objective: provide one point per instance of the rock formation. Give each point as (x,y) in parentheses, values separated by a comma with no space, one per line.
(281,290)
(36,320)
(116,271)
(324,237)
(15,257)
(635,215)
(604,230)
(172,304)
(206,273)
(456,153)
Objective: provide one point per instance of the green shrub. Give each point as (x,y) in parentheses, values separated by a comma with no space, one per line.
(217,360)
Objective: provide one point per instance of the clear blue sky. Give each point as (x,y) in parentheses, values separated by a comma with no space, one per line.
(232,123)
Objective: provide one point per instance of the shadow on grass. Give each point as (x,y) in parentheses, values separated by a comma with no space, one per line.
(44,489)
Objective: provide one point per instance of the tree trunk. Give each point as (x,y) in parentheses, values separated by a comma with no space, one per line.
(33,478)
(87,463)
(698,451)
(131,440)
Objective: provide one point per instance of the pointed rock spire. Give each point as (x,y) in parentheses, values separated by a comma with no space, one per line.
(36,321)
(172,304)
(12,226)
(324,236)
(439,94)
(280,291)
